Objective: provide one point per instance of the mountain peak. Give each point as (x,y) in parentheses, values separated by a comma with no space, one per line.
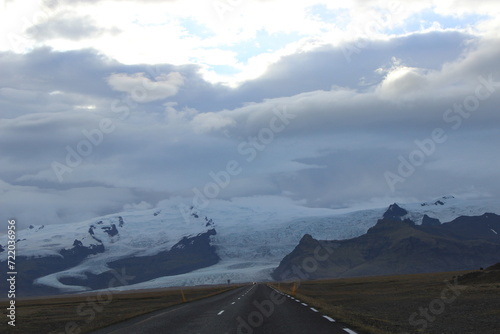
(398,246)
(306,237)
(307,241)
(441,201)
(428,221)
(395,212)
(386,225)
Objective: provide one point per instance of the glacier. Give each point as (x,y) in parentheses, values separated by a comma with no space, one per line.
(253,235)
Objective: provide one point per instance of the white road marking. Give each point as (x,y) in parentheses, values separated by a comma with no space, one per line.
(313,309)
(233,303)
(305,304)
(350,331)
(328,318)
(220,312)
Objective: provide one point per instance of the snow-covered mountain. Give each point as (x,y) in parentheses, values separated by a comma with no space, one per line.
(250,236)
(396,246)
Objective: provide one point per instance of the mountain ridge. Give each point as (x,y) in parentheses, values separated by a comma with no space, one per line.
(396,245)
(252,236)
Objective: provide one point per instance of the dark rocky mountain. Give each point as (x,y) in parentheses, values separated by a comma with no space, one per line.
(34,267)
(189,253)
(396,245)
(428,221)
(395,212)
(440,201)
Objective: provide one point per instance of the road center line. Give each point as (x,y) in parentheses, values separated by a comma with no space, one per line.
(220,312)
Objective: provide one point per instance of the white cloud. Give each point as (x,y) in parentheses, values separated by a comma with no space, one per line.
(143,89)
(403,83)
(181,32)
(208,122)
(143,205)
(35,206)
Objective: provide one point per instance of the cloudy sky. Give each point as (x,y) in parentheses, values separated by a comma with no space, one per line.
(115,105)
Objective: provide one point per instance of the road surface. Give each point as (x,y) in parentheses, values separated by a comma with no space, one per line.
(255,309)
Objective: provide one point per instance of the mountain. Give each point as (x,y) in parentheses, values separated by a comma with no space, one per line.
(396,245)
(181,244)
(189,254)
(395,212)
(83,256)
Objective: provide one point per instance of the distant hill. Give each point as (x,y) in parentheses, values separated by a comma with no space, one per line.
(488,275)
(396,245)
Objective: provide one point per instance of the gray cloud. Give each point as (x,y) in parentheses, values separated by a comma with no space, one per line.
(57,3)
(160,88)
(343,135)
(67,26)
(350,64)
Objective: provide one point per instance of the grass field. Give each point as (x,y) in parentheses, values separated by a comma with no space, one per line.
(422,303)
(84,313)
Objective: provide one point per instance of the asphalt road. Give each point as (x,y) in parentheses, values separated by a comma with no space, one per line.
(255,309)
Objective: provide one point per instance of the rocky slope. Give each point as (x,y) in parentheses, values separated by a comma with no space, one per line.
(396,245)
(89,255)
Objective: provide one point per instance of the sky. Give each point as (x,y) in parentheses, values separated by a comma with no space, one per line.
(117,105)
